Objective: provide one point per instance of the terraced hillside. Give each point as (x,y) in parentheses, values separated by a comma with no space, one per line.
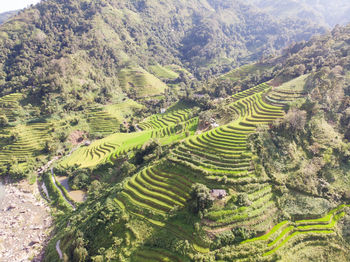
(222,159)
(169,119)
(158,195)
(163,72)
(9,105)
(154,193)
(222,156)
(244,71)
(123,110)
(22,142)
(102,122)
(174,115)
(139,82)
(288,237)
(105,149)
(178,122)
(288,91)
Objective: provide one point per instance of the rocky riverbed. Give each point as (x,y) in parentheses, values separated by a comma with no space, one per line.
(25,223)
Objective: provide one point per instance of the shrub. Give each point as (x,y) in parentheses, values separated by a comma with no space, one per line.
(126,169)
(224,239)
(200,198)
(242,234)
(148,152)
(295,119)
(243,200)
(3,121)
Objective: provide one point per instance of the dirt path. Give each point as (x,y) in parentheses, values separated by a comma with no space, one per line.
(137,128)
(58,249)
(44,169)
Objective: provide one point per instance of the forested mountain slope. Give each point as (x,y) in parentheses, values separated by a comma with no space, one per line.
(103,36)
(278,165)
(6,15)
(329,13)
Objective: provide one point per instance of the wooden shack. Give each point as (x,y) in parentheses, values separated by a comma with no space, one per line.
(218,193)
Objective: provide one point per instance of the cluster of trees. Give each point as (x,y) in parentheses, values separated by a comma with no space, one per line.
(201,198)
(3,120)
(305,150)
(150,151)
(316,54)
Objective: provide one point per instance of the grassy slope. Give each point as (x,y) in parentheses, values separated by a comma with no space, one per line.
(104,150)
(101,150)
(123,110)
(143,83)
(244,71)
(163,72)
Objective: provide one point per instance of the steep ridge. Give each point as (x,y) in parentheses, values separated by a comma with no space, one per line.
(6,15)
(219,153)
(208,37)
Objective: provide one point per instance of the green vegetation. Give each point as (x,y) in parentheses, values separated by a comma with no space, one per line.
(169,128)
(103,150)
(159,194)
(122,111)
(20,144)
(101,122)
(56,198)
(150,255)
(291,232)
(245,71)
(171,118)
(180,162)
(163,72)
(141,82)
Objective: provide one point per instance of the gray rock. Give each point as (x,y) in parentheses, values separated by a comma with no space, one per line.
(10,207)
(34,242)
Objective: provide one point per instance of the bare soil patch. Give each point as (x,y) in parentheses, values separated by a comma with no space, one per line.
(77,137)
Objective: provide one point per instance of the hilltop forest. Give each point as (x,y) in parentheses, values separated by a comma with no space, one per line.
(5,16)
(183,131)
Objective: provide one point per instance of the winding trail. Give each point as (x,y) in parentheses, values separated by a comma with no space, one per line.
(43,169)
(58,249)
(137,128)
(43,186)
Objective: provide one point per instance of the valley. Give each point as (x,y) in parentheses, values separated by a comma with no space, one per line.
(143,131)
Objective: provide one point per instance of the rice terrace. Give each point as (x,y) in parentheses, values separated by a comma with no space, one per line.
(202,130)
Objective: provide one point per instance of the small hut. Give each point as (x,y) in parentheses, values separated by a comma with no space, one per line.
(218,193)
